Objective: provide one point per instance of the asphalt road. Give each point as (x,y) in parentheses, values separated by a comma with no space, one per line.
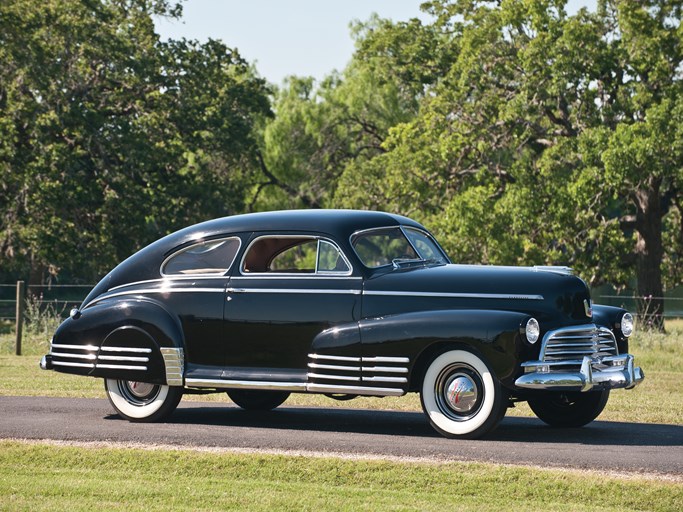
(601,446)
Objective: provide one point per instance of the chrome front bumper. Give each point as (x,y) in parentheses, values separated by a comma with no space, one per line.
(607,373)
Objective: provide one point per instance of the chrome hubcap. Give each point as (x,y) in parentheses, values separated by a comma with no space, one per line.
(461,393)
(140,389)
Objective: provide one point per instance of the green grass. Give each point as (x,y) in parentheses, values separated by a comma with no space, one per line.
(40,477)
(659,399)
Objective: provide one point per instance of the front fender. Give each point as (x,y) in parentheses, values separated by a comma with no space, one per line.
(494,335)
(122,339)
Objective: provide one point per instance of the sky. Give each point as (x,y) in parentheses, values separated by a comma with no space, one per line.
(289,37)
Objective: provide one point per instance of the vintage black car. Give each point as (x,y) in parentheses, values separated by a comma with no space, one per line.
(343,303)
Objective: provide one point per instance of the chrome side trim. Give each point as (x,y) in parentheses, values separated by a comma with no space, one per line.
(79,365)
(335,358)
(306,291)
(92,357)
(169,280)
(285,277)
(124,358)
(355,390)
(126,349)
(334,367)
(382,359)
(495,296)
(333,377)
(397,380)
(154,290)
(384,369)
(119,367)
(245,384)
(74,347)
(174,362)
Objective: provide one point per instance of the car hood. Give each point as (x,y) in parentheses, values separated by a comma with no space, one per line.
(540,291)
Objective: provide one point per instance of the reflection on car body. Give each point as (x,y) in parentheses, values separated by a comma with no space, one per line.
(343,303)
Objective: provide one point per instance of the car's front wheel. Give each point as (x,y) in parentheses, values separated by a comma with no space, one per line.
(461,396)
(570,409)
(256,399)
(142,401)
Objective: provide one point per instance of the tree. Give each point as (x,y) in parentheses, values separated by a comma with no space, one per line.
(549,139)
(109,137)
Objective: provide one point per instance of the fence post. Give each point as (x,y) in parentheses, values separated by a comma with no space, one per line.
(21,291)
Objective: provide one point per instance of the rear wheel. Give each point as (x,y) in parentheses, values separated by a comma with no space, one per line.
(256,399)
(570,409)
(461,396)
(142,401)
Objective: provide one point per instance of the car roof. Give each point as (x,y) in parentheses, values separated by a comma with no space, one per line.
(337,223)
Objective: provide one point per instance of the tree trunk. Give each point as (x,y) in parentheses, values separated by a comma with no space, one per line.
(649,256)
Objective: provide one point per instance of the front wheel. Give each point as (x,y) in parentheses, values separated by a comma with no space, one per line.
(256,399)
(141,401)
(461,396)
(570,409)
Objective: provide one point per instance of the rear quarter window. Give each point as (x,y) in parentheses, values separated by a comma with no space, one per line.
(210,257)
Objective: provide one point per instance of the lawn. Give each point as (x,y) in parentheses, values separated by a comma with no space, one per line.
(36,477)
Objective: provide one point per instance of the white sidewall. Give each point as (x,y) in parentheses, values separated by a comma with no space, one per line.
(135,411)
(429,397)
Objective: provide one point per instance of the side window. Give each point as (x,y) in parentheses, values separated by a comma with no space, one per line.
(297,259)
(294,255)
(425,245)
(330,259)
(211,257)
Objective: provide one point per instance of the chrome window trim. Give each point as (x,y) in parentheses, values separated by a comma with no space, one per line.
(315,274)
(185,249)
(494,296)
(402,228)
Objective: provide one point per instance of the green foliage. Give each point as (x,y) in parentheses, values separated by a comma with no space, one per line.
(543,137)
(111,138)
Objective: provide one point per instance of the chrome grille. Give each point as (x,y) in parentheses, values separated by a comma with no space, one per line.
(572,344)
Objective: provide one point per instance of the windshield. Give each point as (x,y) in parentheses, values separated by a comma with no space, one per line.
(393,246)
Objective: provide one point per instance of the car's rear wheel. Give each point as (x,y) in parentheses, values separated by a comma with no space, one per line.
(461,396)
(142,401)
(569,409)
(257,400)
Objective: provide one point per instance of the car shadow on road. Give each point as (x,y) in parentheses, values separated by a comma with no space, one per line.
(401,423)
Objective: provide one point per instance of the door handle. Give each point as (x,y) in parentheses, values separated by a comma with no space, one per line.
(236,290)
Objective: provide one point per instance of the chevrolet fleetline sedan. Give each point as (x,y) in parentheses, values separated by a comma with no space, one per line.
(343,303)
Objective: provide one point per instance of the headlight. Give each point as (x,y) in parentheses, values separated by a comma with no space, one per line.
(532,330)
(626,324)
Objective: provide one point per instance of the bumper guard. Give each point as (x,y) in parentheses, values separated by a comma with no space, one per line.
(607,373)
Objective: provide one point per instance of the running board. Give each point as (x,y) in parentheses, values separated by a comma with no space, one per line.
(300,387)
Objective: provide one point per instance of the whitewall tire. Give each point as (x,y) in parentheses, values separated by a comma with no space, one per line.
(141,401)
(460,395)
